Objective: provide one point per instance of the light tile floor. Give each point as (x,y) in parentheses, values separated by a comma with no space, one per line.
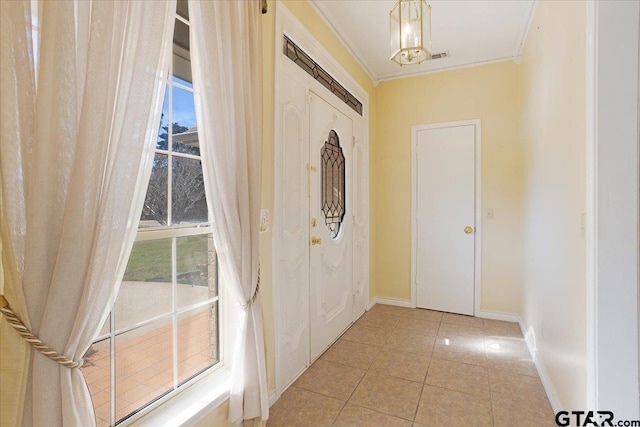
(412,367)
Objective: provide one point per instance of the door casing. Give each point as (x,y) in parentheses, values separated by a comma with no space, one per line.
(286,23)
(478,205)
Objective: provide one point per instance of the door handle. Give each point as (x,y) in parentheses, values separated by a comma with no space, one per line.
(468,229)
(316,241)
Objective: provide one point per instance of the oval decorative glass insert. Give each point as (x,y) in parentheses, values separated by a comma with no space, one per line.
(333,174)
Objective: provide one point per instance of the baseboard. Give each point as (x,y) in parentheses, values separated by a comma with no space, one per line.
(499,315)
(530,339)
(272,398)
(390,301)
(486,314)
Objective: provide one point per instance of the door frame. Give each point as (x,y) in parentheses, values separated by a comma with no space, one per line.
(613,222)
(477,285)
(287,24)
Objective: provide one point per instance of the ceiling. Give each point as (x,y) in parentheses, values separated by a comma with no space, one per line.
(472,32)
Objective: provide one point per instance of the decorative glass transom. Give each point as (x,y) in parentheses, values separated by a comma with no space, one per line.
(333,177)
(304,61)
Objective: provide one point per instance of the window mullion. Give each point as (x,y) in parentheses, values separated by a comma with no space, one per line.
(187,156)
(174,317)
(183,87)
(169,155)
(165,233)
(183,20)
(188,308)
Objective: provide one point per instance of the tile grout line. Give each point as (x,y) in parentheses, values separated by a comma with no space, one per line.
(424,383)
(344,405)
(415,413)
(379,412)
(404,314)
(493,418)
(390,376)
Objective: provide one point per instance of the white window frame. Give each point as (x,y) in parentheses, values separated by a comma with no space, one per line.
(194,399)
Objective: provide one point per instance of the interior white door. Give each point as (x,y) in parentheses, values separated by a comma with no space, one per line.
(330,219)
(445,218)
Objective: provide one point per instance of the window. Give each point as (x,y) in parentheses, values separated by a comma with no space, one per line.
(333,184)
(164,327)
(304,61)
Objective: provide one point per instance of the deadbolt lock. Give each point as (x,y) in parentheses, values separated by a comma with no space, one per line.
(316,240)
(468,229)
(313,222)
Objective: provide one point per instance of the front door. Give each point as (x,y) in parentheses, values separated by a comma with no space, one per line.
(445,218)
(331,224)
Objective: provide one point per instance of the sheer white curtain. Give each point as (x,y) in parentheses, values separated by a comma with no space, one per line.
(227,65)
(75,159)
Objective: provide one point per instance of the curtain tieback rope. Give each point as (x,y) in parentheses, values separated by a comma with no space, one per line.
(26,334)
(254,296)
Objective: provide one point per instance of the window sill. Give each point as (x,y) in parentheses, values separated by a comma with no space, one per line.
(190,404)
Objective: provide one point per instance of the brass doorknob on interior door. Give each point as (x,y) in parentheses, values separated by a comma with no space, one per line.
(316,240)
(468,229)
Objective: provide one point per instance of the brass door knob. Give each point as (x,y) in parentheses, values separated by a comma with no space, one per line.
(316,240)
(468,229)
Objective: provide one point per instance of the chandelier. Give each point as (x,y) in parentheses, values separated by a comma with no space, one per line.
(410,32)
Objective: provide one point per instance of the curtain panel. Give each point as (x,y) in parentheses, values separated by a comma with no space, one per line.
(76,151)
(227,66)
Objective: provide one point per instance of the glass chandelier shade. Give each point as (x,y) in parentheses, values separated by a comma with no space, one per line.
(410,32)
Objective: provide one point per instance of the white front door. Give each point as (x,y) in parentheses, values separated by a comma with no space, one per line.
(445,218)
(293,233)
(330,219)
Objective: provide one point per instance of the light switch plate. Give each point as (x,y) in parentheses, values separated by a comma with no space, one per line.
(488,213)
(264,220)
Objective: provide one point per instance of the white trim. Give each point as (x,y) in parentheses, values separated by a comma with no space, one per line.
(484,314)
(591,231)
(478,206)
(287,24)
(391,301)
(499,315)
(191,405)
(145,234)
(525,32)
(530,340)
(468,64)
(278,393)
(344,40)
(612,370)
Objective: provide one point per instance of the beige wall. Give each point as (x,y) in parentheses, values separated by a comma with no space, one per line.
(552,84)
(488,93)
